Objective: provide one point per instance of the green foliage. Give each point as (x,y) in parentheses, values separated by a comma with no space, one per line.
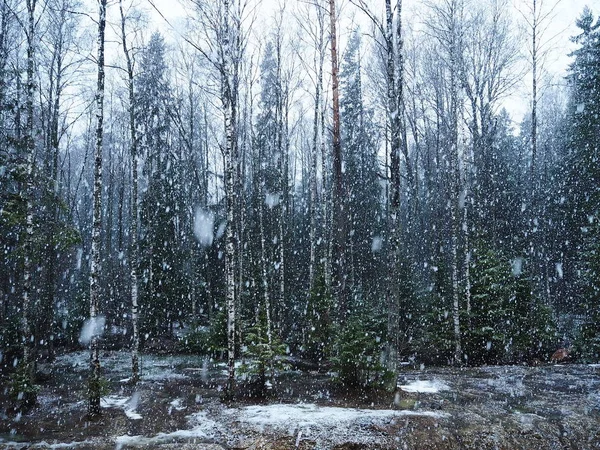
(99,387)
(506,323)
(161,253)
(206,340)
(319,332)
(434,343)
(262,354)
(9,340)
(358,347)
(196,341)
(588,340)
(583,206)
(22,391)
(587,345)
(203,340)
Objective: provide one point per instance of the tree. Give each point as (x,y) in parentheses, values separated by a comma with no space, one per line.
(57,67)
(447,26)
(339,208)
(134,202)
(94,387)
(162,260)
(364,208)
(27,335)
(584,176)
(507,323)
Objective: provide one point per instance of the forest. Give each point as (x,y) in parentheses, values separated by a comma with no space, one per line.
(335,182)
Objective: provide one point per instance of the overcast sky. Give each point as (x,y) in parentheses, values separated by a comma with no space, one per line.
(560,31)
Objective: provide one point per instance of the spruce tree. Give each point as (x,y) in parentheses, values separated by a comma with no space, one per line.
(160,252)
(583,185)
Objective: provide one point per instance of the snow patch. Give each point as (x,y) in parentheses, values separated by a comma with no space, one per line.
(167,375)
(128,405)
(559,269)
(44,444)
(425,386)
(176,405)
(203,428)
(292,417)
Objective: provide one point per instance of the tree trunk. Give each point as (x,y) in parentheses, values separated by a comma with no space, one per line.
(27,335)
(394,94)
(534,62)
(454,187)
(339,219)
(229,177)
(95,269)
(134,251)
(313,169)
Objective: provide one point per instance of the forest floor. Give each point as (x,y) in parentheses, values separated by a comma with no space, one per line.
(178,404)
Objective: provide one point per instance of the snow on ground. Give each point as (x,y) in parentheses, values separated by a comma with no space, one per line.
(310,415)
(128,405)
(425,386)
(203,428)
(176,405)
(43,444)
(164,375)
(326,426)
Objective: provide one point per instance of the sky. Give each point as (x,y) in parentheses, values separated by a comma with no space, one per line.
(558,34)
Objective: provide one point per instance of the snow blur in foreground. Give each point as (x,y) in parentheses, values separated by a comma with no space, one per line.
(204,223)
(91,328)
(425,386)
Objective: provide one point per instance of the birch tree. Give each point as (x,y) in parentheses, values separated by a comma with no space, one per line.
(446,26)
(224,43)
(94,386)
(134,251)
(26,331)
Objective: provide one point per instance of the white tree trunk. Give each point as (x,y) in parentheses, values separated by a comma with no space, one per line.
(27,335)
(454,180)
(133,276)
(94,381)
(229,155)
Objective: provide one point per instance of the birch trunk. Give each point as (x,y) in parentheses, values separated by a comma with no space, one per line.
(27,335)
(94,380)
(263,260)
(535,249)
(134,251)
(454,182)
(393,290)
(230,169)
